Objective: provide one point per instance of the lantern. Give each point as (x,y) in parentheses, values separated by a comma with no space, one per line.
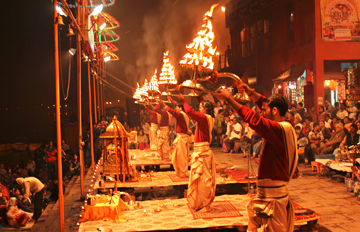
(332,85)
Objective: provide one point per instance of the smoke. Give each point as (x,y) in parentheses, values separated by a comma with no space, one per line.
(172,25)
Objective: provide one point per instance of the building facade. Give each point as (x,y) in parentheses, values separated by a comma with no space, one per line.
(308,50)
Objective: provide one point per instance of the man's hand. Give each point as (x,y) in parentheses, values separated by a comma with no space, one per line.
(327,143)
(171,100)
(180,96)
(247,89)
(161,102)
(221,95)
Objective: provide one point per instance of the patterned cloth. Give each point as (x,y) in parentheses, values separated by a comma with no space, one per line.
(180,155)
(153,137)
(163,142)
(202,182)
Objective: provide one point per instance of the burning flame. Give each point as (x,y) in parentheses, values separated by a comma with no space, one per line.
(144,89)
(167,75)
(200,51)
(137,92)
(154,85)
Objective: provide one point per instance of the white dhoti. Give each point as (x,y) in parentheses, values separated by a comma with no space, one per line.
(153,137)
(163,142)
(180,158)
(202,182)
(272,209)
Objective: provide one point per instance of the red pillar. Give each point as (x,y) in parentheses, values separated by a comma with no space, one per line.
(319,91)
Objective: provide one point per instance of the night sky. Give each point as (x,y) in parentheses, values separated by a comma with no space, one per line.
(148,28)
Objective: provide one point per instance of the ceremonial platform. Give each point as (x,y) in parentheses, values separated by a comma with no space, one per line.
(168,178)
(227,211)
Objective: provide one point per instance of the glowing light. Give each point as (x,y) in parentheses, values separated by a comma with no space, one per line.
(106,59)
(279,86)
(154,85)
(200,51)
(223,9)
(72,51)
(102,26)
(167,75)
(97,10)
(60,11)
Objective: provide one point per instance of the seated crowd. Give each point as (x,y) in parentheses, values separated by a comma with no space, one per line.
(27,189)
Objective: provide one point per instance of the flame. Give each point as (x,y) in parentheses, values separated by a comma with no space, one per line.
(137,94)
(167,75)
(209,13)
(144,89)
(200,51)
(154,85)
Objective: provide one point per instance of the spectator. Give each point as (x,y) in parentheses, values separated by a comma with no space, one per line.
(316,138)
(146,127)
(355,112)
(219,125)
(34,185)
(296,113)
(217,108)
(15,216)
(74,167)
(30,167)
(325,131)
(351,138)
(40,158)
(132,139)
(346,123)
(334,141)
(51,153)
(301,110)
(235,135)
(65,147)
(297,123)
(342,113)
(335,110)
(321,110)
(142,140)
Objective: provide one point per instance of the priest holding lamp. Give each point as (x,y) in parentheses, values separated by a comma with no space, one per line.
(202,181)
(181,154)
(271,209)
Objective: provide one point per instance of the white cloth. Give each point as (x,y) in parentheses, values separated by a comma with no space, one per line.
(30,184)
(153,137)
(281,211)
(272,209)
(164,142)
(342,114)
(146,128)
(202,181)
(237,127)
(180,157)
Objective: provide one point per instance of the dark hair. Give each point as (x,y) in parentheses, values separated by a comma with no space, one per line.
(354,126)
(309,118)
(322,108)
(278,101)
(336,104)
(220,111)
(300,104)
(297,128)
(315,125)
(293,105)
(292,113)
(180,105)
(209,107)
